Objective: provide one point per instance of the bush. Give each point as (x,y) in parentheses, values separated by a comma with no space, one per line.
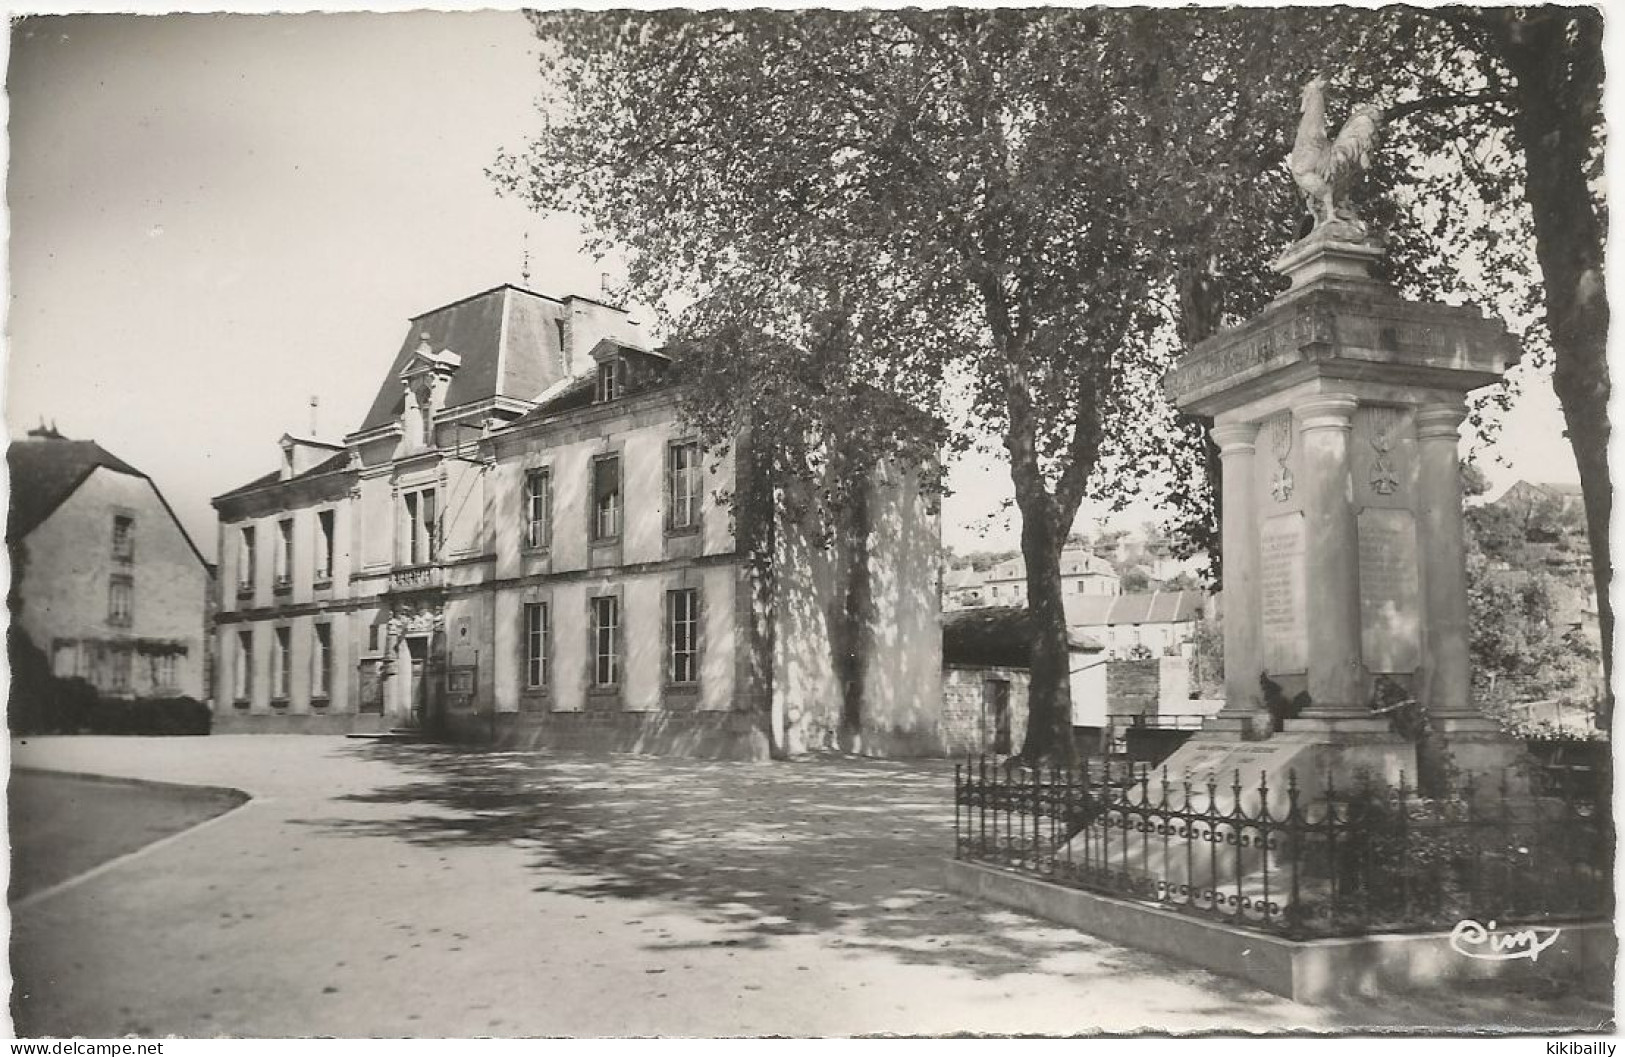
(150,715)
(179,715)
(71,703)
(41,703)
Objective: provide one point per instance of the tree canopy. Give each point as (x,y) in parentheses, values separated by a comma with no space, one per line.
(1014,220)
(1002,204)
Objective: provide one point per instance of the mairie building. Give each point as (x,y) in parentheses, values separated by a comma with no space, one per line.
(523,544)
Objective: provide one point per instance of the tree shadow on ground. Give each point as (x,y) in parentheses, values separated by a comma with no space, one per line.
(850,850)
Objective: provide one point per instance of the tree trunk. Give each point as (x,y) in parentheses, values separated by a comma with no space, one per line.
(853,543)
(756,526)
(1049,691)
(1556,60)
(1201,311)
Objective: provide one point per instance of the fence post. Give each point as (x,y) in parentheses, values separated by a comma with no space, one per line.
(1238,824)
(981,805)
(1212,841)
(1262,835)
(1190,842)
(1295,834)
(1038,855)
(1332,872)
(1407,891)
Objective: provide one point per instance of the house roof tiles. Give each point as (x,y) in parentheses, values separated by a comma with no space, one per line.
(1155,607)
(46,470)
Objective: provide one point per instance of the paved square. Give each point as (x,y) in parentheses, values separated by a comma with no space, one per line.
(374,889)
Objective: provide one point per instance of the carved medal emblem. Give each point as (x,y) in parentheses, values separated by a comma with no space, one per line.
(1280,431)
(1384,481)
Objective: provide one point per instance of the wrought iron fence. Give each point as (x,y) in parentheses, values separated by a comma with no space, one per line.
(1299,862)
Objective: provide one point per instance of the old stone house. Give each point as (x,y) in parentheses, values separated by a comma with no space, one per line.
(1148,624)
(986,653)
(524,544)
(104,580)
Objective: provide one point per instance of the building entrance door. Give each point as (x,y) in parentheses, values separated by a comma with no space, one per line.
(996,706)
(417,647)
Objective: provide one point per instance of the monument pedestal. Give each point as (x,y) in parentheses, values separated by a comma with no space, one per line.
(1337,412)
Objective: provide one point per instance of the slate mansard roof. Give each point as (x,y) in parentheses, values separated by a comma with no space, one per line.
(47,468)
(334,463)
(507,340)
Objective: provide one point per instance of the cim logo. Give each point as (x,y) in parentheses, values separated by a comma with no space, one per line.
(1475,940)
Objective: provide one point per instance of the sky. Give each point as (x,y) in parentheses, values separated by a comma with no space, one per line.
(214,218)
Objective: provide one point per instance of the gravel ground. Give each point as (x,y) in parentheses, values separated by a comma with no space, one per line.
(375,889)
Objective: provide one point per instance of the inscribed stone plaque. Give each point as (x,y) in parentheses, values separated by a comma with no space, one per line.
(1390,591)
(1284,620)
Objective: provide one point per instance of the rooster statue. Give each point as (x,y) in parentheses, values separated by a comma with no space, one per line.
(1324,169)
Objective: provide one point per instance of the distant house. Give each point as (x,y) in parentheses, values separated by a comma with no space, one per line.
(105,582)
(1526,494)
(964,588)
(1154,624)
(1082,573)
(986,653)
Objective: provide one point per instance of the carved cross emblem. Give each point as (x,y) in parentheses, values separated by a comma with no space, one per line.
(1281,484)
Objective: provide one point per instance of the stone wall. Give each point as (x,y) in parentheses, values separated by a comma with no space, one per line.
(1133,687)
(890,622)
(712,735)
(966,729)
(1173,684)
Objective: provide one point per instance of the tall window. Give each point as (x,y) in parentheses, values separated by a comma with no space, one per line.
(245,558)
(421,530)
(284,552)
(120,600)
(536,634)
(324,545)
(683,485)
(163,671)
(321,660)
(120,679)
(606,630)
(606,497)
(123,538)
(65,659)
(243,669)
(281,663)
(609,381)
(538,508)
(683,636)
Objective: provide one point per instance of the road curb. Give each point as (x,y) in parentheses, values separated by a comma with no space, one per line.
(151,783)
(242,797)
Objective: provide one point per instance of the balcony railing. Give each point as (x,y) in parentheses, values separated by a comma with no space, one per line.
(417,578)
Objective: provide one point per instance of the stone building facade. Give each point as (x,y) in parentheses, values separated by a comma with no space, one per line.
(524,544)
(105,581)
(1082,575)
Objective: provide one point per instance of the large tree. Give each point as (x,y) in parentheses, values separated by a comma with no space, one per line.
(1488,185)
(1005,204)
(1518,92)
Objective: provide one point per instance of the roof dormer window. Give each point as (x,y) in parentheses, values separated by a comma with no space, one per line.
(610,381)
